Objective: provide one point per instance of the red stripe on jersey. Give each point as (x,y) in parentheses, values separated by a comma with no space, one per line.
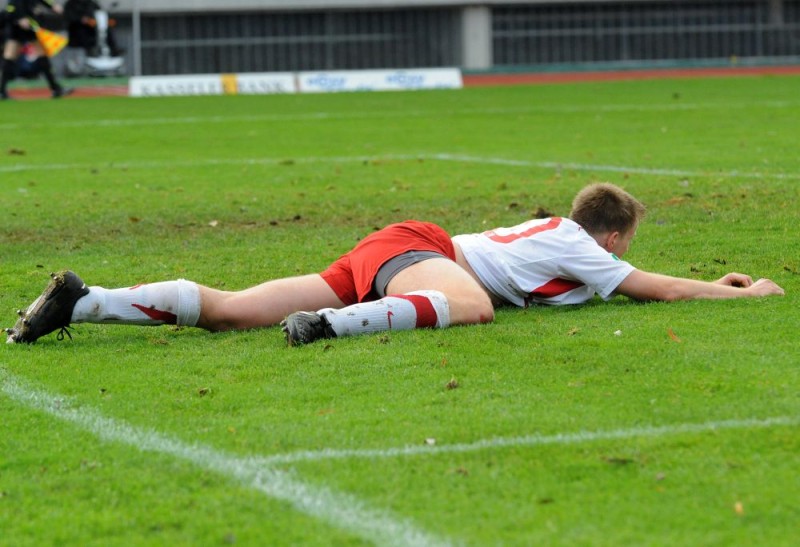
(551,225)
(158,315)
(555,287)
(426,314)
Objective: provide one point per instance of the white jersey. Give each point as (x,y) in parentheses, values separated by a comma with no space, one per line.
(545,261)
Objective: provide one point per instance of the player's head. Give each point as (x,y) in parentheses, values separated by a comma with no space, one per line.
(604,208)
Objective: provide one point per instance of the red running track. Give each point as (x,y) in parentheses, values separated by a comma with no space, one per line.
(482,80)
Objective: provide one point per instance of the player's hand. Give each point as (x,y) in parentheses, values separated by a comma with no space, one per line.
(765,287)
(58,8)
(735,280)
(24,23)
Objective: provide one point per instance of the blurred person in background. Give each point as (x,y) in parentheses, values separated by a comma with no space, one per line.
(19,18)
(82,27)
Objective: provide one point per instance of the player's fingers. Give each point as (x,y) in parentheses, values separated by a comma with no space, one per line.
(744,280)
(736,279)
(768,287)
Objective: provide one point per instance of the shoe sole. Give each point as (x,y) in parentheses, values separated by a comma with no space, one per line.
(57,284)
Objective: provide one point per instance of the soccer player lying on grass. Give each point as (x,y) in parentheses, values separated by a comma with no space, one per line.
(407,275)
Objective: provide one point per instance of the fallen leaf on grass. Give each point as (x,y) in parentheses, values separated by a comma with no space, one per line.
(16,152)
(452,384)
(673,336)
(738,508)
(676,200)
(618,461)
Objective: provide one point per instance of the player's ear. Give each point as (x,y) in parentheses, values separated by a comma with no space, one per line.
(610,241)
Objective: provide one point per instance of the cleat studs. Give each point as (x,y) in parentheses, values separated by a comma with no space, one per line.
(26,322)
(20,313)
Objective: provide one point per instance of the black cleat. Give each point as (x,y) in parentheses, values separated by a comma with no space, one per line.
(62,92)
(51,311)
(304,327)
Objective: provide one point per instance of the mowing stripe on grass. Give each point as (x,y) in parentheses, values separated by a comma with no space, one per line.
(458,158)
(384,114)
(536,440)
(338,510)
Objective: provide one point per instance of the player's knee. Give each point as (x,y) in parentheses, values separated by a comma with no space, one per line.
(473,310)
(485,310)
(216,311)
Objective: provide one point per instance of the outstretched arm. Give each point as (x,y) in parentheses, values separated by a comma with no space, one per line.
(650,286)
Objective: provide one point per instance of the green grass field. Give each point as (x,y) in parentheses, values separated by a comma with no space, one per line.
(607,424)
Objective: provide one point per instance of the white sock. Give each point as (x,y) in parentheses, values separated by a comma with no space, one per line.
(168,302)
(417,309)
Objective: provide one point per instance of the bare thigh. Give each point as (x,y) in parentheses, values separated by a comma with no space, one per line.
(11,49)
(468,302)
(266,304)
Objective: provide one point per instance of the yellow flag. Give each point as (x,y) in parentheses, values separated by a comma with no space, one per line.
(52,43)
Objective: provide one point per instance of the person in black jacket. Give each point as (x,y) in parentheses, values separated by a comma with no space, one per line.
(82,28)
(19,31)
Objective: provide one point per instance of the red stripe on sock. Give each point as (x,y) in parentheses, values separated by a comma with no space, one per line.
(158,315)
(426,314)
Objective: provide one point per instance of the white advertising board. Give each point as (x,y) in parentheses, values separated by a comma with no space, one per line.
(212,84)
(303,82)
(379,80)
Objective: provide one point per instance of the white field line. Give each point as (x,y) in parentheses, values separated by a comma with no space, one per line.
(384,114)
(579,437)
(457,158)
(567,166)
(339,510)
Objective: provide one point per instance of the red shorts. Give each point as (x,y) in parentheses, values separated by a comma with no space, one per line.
(352,275)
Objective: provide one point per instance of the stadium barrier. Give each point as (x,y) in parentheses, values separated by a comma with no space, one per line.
(296,82)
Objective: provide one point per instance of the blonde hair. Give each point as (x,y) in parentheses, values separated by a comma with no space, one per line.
(605,208)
